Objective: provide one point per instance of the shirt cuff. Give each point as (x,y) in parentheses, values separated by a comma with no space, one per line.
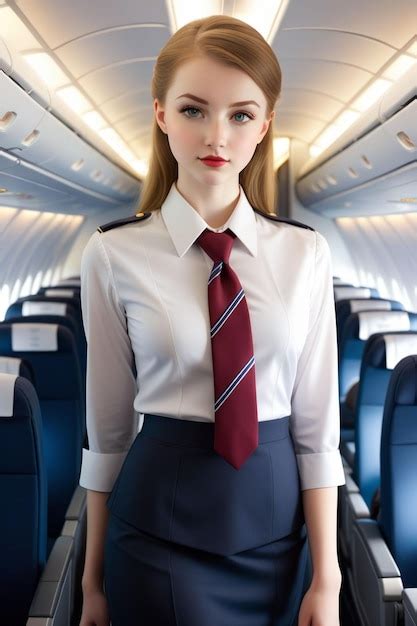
(321,469)
(99,471)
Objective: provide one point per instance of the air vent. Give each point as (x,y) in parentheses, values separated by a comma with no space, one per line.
(97,175)
(31,139)
(366,162)
(7,120)
(77,165)
(406,141)
(331,179)
(353,173)
(323,184)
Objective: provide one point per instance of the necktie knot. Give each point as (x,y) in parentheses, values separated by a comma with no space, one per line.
(218,246)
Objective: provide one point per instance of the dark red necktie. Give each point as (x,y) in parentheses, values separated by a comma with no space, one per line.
(235,408)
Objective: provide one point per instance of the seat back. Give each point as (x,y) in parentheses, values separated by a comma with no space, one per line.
(353,305)
(398,512)
(342,292)
(381,354)
(51,350)
(23,492)
(18,367)
(358,328)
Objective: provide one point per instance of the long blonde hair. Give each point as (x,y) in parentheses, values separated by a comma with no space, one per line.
(236,44)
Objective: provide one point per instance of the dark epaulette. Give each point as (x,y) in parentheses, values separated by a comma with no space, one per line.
(127,220)
(286,220)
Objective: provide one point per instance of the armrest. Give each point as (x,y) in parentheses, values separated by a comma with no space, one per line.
(358,506)
(77,505)
(367,537)
(53,592)
(410,606)
(351,486)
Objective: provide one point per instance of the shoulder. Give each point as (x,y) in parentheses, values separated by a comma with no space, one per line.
(139,217)
(284,220)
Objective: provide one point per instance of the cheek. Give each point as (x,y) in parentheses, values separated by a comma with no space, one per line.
(182,139)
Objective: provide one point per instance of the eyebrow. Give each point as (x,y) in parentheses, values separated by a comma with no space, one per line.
(235,104)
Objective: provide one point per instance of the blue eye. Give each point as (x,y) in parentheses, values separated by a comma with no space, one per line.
(187,109)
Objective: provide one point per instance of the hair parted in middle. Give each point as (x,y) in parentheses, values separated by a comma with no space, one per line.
(234,43)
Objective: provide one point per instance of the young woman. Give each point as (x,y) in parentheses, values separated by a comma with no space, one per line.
(211,331)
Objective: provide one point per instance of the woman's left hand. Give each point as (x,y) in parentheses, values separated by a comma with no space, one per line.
(320,605)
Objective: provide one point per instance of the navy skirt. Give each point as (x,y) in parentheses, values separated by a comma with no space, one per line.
(191,540)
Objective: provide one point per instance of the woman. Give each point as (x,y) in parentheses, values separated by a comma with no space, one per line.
(231,365)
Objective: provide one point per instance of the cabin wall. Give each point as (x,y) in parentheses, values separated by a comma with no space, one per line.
(342,261)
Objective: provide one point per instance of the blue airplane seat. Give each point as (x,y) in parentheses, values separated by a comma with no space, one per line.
(23,487)
(52,352)
(353,305)
(68,321)
(343,292)
(385,549)
(380,356)
(358,328)
(398,501)
(64,291)
(18,367)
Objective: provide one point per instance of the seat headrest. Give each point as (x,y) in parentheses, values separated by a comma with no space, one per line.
(342,293)
(59,293)
(34,337)
(398,347)
(10,365)
(43,308)
(371,322)
(365,304)
(7,384)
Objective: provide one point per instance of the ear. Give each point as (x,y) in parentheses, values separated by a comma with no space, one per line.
(160,116)
(265,127)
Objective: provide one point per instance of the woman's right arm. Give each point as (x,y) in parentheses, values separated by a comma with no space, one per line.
(112,422)
(97,519)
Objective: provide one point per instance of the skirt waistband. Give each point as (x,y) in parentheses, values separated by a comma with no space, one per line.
(189,432)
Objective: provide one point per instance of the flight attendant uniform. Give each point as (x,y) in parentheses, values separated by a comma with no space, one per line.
(192,540)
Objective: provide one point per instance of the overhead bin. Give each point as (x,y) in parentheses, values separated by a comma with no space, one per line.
(361,156)
(31,135)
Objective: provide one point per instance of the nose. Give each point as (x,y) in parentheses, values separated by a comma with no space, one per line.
(216,134)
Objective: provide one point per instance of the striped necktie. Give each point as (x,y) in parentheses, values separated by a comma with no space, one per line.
(235,408)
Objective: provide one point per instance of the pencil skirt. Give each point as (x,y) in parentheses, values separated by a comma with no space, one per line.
(193,541)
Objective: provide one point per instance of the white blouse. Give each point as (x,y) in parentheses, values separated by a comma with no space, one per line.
(144,301)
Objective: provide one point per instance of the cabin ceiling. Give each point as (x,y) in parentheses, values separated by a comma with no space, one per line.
(328,51)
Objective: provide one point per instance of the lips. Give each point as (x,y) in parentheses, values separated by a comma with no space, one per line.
(209,157)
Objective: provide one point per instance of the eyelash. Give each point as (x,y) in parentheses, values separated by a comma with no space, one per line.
(186,108)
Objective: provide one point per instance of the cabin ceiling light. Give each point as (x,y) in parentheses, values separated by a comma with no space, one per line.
(94,120)
(74,99)
(14,30)
(281,147)
(399,67)
(45,66)
(141,167)
(265,19)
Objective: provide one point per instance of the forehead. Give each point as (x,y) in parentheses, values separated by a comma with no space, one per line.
(214,82)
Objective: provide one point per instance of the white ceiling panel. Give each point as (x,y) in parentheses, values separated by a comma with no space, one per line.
(319,44)
(60,21)
(335,79)
(96,50)
(388,21)
(126,103)
(102,84)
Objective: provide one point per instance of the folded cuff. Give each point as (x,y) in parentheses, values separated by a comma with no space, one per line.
(100,470)
(320,469)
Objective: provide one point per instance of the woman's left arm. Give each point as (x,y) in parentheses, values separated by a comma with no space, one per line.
(320,605)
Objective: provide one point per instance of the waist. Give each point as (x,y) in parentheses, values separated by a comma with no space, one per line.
(201,434)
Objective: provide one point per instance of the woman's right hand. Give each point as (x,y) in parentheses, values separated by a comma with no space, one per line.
(95,609)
